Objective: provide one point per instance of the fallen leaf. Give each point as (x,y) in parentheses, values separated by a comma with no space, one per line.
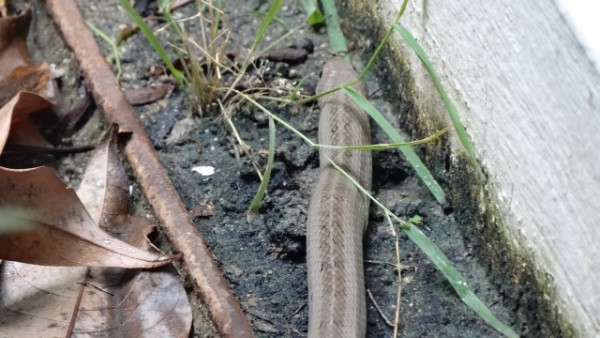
(45,301)
(97,302)
(13,43)
(38,301)
(65,233)
(19,74)
(205,209)
(11,220)
(119,302)
(14,120)
(134,303)
(103,188)
(17,71)
(145,95)
(33,79)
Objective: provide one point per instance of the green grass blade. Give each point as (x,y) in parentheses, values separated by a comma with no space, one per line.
(455,279)
(280,39)
(265,23)
(458,126)
(408,152)
(337,41)
(262,188)
(273,116)
(112,44)
(315,17)
(370,147)
(217,19)
(440,260)
(383,42)
(277,20)
(385,146)
(269,17)
(296,91)
(149,34)
(164,4)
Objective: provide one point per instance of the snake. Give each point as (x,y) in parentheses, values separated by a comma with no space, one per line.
(338,212)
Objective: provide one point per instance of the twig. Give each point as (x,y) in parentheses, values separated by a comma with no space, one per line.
(299,309)
(370,261)
(399,268)
(399,291)
(77,305)
(243,146)
(385,318)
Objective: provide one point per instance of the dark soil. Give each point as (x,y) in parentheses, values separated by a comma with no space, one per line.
(264,259)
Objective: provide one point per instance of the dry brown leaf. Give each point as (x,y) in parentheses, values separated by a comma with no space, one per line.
(13,43)
(38,301)
(103,189)
(17,71)
(32,79)
(134,303)
(97,302)
(204,209)
(14,120)
(146,305)
(119,302)
(43,301)
(64,233)
(19,74)
(145,95)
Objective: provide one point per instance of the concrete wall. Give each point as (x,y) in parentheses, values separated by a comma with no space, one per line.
(529,97)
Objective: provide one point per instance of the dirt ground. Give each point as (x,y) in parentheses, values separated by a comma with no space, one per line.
(264,259)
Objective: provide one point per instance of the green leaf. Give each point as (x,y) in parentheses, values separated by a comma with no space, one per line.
(265,23)
(112,44)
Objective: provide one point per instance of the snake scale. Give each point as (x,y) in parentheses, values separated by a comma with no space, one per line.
(338,212)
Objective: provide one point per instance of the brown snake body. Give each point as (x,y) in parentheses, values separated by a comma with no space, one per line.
(337,216)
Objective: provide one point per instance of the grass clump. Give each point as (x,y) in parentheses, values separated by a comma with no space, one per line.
(200,76)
